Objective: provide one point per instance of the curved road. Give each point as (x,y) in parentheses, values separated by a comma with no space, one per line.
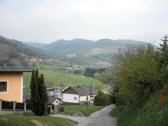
(100,118)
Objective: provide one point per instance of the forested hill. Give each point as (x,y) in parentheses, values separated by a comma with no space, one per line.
(89,47)
(90,53)
(22,48)
(84,52)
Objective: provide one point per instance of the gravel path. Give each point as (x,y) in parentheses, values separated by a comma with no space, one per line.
(99,118)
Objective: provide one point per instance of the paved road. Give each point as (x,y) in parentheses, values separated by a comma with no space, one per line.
(100,118)
(74,118)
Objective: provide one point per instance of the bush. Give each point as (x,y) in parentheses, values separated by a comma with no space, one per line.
(102,99)
(61,109)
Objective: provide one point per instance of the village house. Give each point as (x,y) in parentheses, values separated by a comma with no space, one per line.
(78,95)
(54,96)
(12,67)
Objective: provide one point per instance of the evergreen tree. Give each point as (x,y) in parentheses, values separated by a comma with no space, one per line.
(163,58)
(38,93)
(42,93)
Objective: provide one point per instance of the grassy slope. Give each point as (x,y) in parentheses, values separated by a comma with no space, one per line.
(81,109)
(148,114)
(69,79)
(20,120)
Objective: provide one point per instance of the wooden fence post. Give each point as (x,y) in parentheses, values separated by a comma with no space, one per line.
(14,106)
(51,109)
(25,107)
(0,105)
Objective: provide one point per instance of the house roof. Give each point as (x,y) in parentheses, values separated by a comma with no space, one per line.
(81,90)
(10,61)
(52,99)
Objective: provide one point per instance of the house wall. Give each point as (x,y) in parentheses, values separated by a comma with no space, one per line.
(70,98)
(83,99)
(14,87)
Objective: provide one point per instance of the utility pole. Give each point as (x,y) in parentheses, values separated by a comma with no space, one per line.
(90,93)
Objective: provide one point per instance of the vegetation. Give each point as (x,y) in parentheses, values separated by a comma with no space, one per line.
(54,78)
(80,109)
(147,114)
(23,120)
(38,99)
(140,77)
(90,72)
(102,99)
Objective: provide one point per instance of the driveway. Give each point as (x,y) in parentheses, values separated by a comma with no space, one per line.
(99,118)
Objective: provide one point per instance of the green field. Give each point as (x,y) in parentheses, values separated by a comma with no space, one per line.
(54,78)
(81,109)
(21,120)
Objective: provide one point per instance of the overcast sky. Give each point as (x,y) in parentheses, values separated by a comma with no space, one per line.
(49,20)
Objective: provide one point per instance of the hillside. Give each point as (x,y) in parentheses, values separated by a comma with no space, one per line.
(147,114)
(55,78)
(89,47)
(21,48)
(88,52)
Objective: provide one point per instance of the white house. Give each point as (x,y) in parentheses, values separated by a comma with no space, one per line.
(78,95)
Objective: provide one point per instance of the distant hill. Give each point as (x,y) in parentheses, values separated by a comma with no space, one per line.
(84,52)
(89,52)
(36,45)
(23,49)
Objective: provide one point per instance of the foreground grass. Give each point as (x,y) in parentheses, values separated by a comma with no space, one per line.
(147,114)
(69,79)
(21,120)
(81,109)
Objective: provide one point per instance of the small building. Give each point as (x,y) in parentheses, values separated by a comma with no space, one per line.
(78,95)
(53,99)
(54,96)
(12,67)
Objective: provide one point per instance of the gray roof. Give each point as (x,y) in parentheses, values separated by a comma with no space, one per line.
(83,90)
(10,61)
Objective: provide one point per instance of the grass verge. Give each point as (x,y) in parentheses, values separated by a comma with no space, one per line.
(81,109)
(22,120)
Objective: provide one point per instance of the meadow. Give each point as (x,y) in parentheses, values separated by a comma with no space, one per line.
(54,78)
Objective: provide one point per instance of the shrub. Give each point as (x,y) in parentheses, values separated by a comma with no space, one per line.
(61,109)
(102,99)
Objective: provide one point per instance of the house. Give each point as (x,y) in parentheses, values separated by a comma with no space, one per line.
(12,67)
(78,95)
(54,96)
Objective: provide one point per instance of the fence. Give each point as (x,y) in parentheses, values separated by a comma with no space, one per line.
(13,106)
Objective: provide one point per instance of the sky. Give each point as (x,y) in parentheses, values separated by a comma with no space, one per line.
(46,21)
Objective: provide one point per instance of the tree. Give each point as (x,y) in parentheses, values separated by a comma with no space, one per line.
(138,76)
(38,93)
(102,99)
(163,59)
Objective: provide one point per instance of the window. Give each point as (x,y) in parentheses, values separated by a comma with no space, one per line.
(75,98)
(3,86)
